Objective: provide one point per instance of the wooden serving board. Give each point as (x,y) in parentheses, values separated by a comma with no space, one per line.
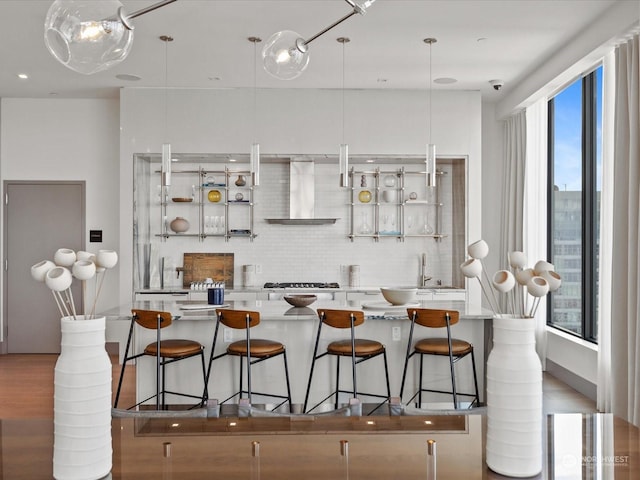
(199,266)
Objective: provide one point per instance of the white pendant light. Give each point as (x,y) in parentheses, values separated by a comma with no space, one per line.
(430,158)
(344,147)
(286,54)
(166,147)
(254,156)
(89,36)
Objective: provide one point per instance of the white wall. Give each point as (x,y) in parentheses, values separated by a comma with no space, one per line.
(61,139)
(303,122)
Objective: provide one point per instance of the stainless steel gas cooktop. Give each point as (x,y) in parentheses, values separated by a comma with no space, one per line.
(301,285)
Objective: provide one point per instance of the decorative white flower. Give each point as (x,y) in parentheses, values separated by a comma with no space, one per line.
(40,269)
(504,281)
(517,259)
(478,249)
(536,282)
(471,268)
(84,270)
(64,257)
(58,279)
(58,275)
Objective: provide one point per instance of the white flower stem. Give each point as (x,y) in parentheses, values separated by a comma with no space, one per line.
(55,297)
(493,292)
(69,296)
(487,297)
(67,312)
(514,299)
(535,310)
(95,300)
(84,295)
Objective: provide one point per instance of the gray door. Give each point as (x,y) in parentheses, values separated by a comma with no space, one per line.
(40,217)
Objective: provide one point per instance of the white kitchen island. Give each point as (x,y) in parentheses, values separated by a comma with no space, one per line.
(296,328)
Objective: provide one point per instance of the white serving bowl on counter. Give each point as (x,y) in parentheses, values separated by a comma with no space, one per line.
(399,295)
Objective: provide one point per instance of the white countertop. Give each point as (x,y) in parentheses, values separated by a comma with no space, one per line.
(281,310)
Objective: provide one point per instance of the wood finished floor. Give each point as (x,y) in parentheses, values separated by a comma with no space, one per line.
(26,389)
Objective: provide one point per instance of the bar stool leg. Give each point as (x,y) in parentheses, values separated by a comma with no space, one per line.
(337,381)
(420,383)
(205,394)
(386,373)
(475,377)
(453,381)
(286,376)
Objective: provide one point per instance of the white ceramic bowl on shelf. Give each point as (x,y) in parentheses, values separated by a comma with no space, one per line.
(399,295)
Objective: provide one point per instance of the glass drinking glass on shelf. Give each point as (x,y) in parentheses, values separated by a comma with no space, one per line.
(216,224)
(207,222)
(409,222)
(364,229)
(427,229)
(222,227)
(385,221)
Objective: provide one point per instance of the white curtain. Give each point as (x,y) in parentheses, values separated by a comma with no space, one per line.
(606,228)
(623,394)
(513,187)
(534,233)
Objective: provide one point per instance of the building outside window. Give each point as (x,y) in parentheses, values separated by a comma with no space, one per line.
(575,171)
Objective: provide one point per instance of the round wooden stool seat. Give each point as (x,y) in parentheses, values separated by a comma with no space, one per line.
(363,347)
(259,348)
(440,346)
(174,348)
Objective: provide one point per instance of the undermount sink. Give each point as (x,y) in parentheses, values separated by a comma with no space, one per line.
(440,287)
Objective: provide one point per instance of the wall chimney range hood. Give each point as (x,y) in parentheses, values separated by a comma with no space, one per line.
(301,196)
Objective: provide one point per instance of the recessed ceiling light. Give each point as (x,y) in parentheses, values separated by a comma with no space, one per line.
(128,77)
(53,94)
(214,79)
(445,80)
(382,80)
(370,161)
(23,76)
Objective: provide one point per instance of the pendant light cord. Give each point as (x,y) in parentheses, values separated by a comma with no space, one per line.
(430,94)
(343,116)
(166,39)
(343,41)
(166,100)
(255,102)
(430,41)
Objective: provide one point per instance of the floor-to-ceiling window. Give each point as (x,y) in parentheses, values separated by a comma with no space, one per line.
(575,161)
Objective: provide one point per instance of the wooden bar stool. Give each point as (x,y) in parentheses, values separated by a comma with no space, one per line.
(165,351)
(452,348)
(357,349)
(252,350)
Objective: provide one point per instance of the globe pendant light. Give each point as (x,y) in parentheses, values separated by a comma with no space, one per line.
(254,157)
(89,36)
(430,160)
(344,147)
(286,54)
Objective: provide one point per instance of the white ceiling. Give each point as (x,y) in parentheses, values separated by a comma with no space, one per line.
(478,40)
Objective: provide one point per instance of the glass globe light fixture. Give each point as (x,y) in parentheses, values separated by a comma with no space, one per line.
(285,55)
(88,36)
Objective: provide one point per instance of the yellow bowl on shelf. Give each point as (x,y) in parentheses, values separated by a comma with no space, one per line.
(214,196)
(364,196)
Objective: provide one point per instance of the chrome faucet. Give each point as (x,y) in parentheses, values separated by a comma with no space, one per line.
(424,278)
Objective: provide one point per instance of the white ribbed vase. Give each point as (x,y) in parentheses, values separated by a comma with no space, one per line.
(514,399)
(82,402)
